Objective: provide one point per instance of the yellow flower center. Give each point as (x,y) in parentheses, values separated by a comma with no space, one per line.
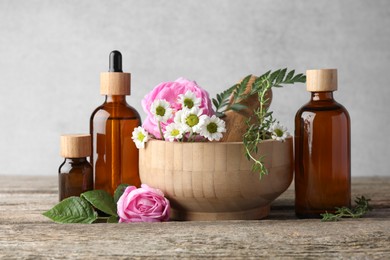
(160,111)
(175,132)
(140,136)
(212,127)
(192,120)
(278,132)
(188,103)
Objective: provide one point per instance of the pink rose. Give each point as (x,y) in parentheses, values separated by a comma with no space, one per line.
(170,91)
(143,205)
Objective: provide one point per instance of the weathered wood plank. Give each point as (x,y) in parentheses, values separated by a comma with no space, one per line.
(26,234)
(289,238)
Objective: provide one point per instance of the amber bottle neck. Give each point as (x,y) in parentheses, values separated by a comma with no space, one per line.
(115,99)
(322,96)
(76,160)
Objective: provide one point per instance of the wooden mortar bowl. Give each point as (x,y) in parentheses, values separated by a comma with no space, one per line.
(213,180)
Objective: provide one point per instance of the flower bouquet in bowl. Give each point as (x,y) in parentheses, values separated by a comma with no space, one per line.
(229,162)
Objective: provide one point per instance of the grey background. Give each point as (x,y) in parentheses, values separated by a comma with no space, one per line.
(51,54)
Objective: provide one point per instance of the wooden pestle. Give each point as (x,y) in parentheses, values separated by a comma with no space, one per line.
(236,121)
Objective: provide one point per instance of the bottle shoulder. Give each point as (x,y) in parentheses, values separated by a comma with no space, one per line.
(323,110)
(72,167)
(113,110)
(323,106)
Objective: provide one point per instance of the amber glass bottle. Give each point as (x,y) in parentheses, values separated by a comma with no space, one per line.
(322,149)
(75,173)
(115,156)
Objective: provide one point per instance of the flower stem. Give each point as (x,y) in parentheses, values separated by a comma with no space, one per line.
(190,139)
(161,133)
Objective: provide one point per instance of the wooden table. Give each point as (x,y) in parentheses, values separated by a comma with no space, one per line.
(26,234)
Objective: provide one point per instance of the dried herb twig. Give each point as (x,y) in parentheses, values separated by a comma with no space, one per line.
(361,208)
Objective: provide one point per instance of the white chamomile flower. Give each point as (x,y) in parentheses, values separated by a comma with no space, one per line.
(178,117)
(278,132)
(140,137)
(173,132)
(189,100)
(212,128)
(191,119)
(161,109)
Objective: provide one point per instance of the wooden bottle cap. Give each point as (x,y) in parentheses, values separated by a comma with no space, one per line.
(75,145)
(115,83)
(321,80)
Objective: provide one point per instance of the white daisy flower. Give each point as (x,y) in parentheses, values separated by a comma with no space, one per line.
(178,117)
(279,132)
(161,109)
(173,132)
(140,137)
(191,120)
(212,128)
(189,100)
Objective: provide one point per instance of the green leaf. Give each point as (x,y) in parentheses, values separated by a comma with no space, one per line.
(267,114)
(299,78)
(72,210)
(112,219)
(215,102)
(243,85)
(101,200)
(237,107)
(259,83)
(119,191)
(265,75)
(281,76)
(290,75)
(274,75)
(222,99)
(219,114)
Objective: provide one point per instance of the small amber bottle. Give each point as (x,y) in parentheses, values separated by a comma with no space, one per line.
(75,173)
(322,149)
(114,155)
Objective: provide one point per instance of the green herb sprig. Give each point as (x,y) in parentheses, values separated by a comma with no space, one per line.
(261,120)
(361,208)
(258,125)
(273,79)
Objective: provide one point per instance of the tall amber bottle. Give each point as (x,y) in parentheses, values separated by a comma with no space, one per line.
(115,156)
(322,149)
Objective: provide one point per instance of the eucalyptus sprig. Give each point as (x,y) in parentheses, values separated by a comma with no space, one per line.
(361,208)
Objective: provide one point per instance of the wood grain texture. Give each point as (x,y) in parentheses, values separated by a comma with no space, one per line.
(321,80)
(115,83)
(214,180)
(75,145)
(26,234)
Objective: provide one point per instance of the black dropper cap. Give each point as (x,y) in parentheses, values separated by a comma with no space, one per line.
(115,62)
